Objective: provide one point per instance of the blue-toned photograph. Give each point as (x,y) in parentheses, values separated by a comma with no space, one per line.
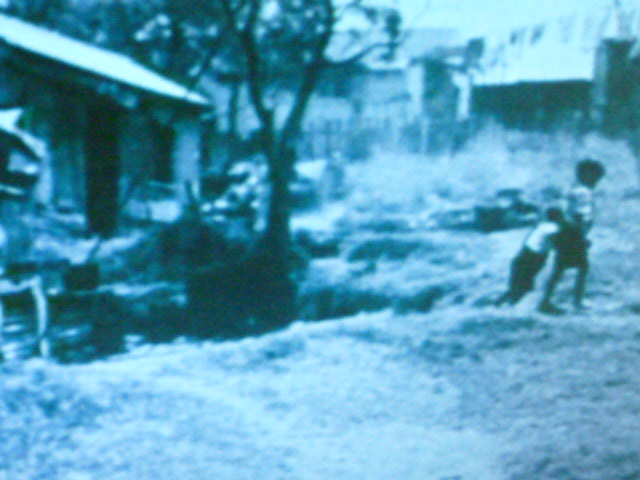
(319,240)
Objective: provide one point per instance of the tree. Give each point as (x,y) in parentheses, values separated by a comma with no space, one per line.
(276,50)
(43,12)
(281,48)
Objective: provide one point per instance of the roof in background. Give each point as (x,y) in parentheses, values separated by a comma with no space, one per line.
(478,17)
(423,41)
(562,49)
(414,43)
(89,58)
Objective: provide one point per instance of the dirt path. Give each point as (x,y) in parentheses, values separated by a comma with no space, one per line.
(464,392)
(323,401)
(563,392)
(456,394)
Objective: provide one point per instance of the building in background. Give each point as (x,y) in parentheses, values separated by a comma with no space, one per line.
(371,104)
(441,83)
(574,72)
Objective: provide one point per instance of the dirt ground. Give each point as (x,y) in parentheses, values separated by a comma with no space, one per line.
(458,391)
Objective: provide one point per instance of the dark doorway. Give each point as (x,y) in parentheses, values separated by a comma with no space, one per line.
(163,163)
(102,169)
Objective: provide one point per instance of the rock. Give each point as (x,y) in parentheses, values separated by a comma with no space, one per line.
(493,218)
(505,211)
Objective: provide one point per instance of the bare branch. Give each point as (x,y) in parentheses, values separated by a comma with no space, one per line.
(245,35)
(342,11)
(240,6)
(252,20)
(310,75)
(359,55)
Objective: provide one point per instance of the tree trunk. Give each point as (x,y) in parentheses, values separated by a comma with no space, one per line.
(232,108)
(275,291)
(277,232)
(234,152)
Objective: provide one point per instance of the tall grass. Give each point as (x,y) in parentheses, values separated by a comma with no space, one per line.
(542,166)
(538,164)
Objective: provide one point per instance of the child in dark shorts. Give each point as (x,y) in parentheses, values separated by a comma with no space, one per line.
(572,245)
(532,257)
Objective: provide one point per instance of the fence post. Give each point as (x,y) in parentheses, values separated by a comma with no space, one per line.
(42,313)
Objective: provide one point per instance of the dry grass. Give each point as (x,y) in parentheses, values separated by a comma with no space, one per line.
(39,408)
(413,190)
(492,161)
(229,412)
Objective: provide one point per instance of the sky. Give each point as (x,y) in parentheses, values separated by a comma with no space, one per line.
(480,16)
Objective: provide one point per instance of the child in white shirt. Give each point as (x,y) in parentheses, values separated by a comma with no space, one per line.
(532,256)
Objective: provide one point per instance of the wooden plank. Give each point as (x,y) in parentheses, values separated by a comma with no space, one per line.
(25,330)
(18,328)
(18,350)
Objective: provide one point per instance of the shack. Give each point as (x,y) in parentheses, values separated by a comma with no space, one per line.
(120,140)
(567,73)
(370,103)
(440,86)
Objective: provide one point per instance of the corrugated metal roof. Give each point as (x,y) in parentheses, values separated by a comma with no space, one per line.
(413,43)
(563,49)
(92,59)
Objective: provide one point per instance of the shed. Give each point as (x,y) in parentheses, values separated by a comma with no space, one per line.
(119,136)
(555,74)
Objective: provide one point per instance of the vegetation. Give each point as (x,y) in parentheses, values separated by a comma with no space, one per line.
(439,385)
(279,49)
(276,50)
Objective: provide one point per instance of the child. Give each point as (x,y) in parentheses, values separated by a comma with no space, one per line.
(532,257)
(572,244)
